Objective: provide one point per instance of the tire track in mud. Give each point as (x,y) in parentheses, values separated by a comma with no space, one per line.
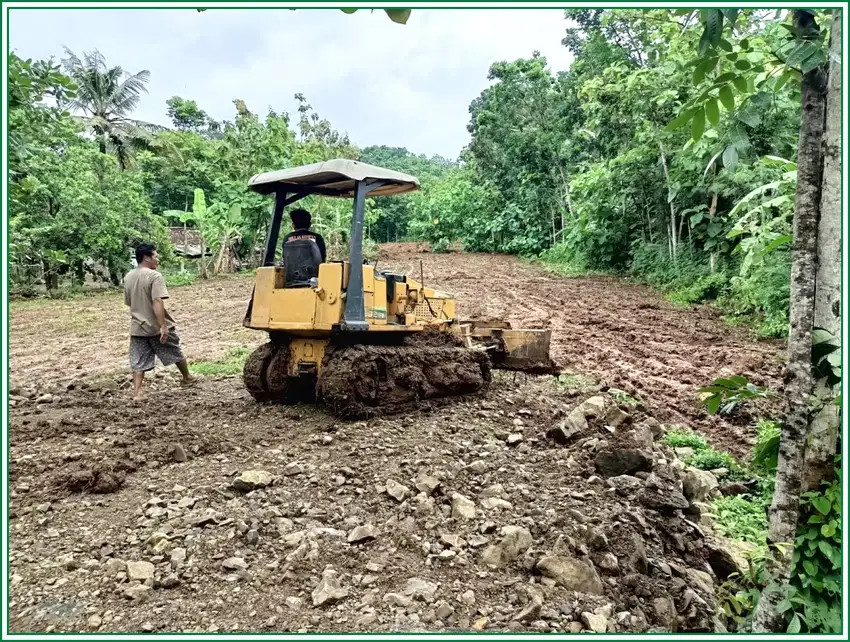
(625,335)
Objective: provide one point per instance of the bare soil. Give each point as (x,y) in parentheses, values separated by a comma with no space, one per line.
(97,482)
(625,335)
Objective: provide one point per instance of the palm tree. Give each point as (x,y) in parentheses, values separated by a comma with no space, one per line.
(107,96)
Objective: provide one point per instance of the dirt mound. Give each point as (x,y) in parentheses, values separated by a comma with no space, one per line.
(103,477)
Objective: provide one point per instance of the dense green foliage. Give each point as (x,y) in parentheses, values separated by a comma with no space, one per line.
(581,168)
(397,211)
(88,182)
(815,598)
(812,602)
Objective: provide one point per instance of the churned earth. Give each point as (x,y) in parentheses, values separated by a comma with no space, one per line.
(547,504)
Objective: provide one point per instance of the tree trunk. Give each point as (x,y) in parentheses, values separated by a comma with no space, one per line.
(202,271)
(79,277)
(566,195)
(51,279)
(784,508)
(826,423)
(712,210)
(673,239)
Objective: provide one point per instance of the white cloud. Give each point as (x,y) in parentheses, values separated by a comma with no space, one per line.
(381,82)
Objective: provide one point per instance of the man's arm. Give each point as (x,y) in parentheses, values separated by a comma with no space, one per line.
(159,311)
(158,293)
(321,243)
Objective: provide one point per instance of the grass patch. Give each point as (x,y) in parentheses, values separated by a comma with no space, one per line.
(624,398)
(710,459)
(704,457)
(56,297)
(563,267)
(574,382)
(766,450)
(742,518)
(566,269)
(231,364)
(679,438)
(179,279)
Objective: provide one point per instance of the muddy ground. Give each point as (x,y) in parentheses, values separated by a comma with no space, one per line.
(125,518)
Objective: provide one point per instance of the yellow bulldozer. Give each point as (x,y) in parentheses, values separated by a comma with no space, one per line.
(359,341)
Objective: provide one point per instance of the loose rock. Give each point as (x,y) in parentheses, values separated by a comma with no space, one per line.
(427,484)
(573,574)
(329,589)
(252,479)
(397,491)
(420,589)
(595,623)
(622,461)
(697,484)
(362,533)
(515,541)
(234,564)
(140,571)
(462,508)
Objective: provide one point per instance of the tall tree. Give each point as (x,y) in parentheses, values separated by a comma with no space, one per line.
(802,57)
(186,115)
(826,423)
(107,96)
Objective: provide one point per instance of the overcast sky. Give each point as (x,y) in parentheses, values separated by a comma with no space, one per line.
(382,83)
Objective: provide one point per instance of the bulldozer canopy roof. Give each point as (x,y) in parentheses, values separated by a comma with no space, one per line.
(336,177)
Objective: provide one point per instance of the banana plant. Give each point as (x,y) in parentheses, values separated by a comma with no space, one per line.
(766,215)
(226,228)
(200,217)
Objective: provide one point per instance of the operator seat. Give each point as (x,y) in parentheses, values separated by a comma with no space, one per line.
(301,260)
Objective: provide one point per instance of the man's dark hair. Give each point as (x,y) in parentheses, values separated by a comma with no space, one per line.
(301,219)
(143,250)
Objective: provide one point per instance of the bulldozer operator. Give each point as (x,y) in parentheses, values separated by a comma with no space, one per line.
(303,250)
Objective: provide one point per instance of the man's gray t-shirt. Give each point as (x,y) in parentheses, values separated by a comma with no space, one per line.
(141,286)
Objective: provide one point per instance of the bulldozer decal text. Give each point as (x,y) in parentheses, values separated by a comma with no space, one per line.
(376,313)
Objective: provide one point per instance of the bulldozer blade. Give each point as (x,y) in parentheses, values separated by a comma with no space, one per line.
(511,349)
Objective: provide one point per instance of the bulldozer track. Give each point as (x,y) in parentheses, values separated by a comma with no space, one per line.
(254,372)
(362,381)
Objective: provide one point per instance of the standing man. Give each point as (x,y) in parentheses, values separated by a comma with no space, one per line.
(301,221)
(152,330)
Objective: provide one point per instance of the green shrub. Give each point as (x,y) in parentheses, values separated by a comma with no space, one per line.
(180,274)
(71,292)
(652,264)
(559,260)
(761,297)
(814,603)
(710,459)
(624,398)
(440,246)
(766,449)
(576,382)
(685,439)
(741,518)
(705,288)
